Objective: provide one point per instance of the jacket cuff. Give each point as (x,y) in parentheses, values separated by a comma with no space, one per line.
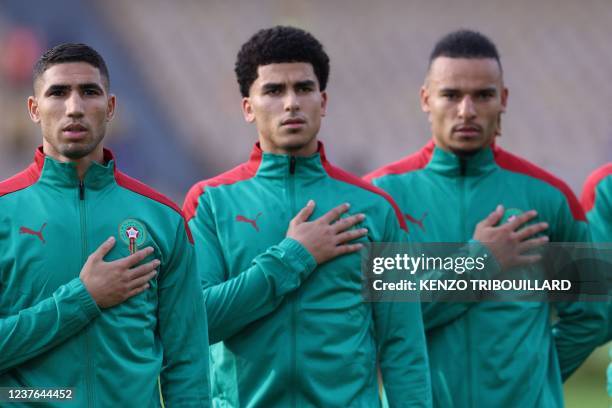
(298,255)
(86,303)
(492,267)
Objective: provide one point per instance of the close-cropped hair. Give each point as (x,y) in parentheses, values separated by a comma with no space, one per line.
(465,44)
(71,52)
(276,45)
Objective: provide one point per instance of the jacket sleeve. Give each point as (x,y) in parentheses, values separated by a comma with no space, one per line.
(182,328)
(440,312)
(233,303)
(600,224)
(401,346)
(581,325)
(35,330)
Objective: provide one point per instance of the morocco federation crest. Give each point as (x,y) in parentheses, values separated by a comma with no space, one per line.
(133,233)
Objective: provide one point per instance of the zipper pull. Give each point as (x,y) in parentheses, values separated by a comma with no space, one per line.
(81,190)
(292,165)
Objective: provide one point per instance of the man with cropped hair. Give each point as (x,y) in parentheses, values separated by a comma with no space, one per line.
(506,354)
(102,327)
(283,294)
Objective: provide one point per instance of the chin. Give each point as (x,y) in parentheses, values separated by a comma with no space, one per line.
(77,151)
(466,150)
(295,142)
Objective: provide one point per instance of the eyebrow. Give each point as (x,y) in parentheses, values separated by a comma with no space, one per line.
(485,89)
(307,82)
(64,87)
(272,86)
(300,84)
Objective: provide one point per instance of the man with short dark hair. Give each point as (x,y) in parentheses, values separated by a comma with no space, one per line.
(286,304)
(505,354)
(101,329)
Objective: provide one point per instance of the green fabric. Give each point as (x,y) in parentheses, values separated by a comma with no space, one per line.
(600,222)
(52,334)
(506,354)
(290,333)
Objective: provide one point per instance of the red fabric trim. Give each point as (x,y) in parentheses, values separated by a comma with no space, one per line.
(21,180)
(136,186)
(241,172)
(339,174)
(25,178)
(590,185)
(516,164)
(415,161)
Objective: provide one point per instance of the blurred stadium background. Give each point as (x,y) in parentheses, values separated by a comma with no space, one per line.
(179,117)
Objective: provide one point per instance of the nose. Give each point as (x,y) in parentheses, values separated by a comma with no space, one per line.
(74,105)
(466,108)
(292,102)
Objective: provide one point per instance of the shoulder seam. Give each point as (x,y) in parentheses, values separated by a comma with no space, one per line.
(413,162)
(20,181)
(516,164)
(138,187)
(346,177)
(587,198)
(242,172)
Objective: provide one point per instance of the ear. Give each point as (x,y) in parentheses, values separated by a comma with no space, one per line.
(110,107)
(323,103)
(247,110)
(504,99)
(33,109)
(424,96)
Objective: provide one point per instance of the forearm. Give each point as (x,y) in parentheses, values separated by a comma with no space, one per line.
(43,326)
(257,291)
(402,354)
(183,330)
(581,328)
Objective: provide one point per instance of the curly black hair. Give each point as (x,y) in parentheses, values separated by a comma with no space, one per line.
(71,52)
(280,44)
(465,44)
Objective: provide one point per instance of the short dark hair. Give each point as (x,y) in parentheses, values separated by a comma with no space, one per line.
(465,44)
(276,45)
(71,52)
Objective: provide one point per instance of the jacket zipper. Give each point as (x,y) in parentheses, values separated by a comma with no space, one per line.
(464,233)
(291,191)
(83,221)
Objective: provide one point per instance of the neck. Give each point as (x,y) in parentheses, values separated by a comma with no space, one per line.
(82,164)
(305,150)
(464,154)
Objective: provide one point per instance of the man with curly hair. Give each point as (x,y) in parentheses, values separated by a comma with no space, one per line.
(291,326)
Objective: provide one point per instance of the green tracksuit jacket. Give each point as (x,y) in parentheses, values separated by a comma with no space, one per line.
(596,199)
(289,333)
(503,354)
(52,334)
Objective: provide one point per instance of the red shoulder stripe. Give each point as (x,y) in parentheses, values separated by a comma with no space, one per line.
(516,164)
(241,172)
(137,187)
(25,178)
(21,180)
(588,191)
(415,161)
(349,178)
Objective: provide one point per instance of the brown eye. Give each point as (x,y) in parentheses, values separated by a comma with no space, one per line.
(485,95)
